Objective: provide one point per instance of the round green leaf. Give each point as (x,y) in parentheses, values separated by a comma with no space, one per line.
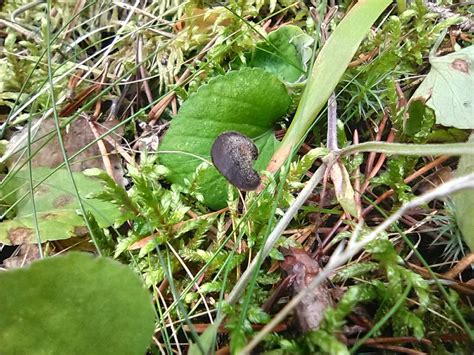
(248,101)
(74,304)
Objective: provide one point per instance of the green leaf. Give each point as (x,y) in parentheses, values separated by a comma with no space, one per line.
(285,53)
(56,206)
(74,304)
(419,122)
(356,270)
(448,89)
(207,339)
(327,343)
(248,101)
(464,200)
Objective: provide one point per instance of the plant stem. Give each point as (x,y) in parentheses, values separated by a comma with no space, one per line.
(410,149)
(332,123)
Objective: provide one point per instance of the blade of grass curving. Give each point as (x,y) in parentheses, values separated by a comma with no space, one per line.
(32,193)
(328,68)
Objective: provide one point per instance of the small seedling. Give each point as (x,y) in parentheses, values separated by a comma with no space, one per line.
(233,154)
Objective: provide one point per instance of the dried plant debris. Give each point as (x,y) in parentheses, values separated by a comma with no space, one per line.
(303,269)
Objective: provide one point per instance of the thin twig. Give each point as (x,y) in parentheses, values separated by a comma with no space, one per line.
(378,138)
(102,149)
(332,123)
(460,266)
(143,73)
(398,349)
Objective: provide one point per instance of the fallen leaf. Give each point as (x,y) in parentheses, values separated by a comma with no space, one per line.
(303,269)
(448,89)
(55,205)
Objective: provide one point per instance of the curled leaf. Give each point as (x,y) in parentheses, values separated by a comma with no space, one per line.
(343,188)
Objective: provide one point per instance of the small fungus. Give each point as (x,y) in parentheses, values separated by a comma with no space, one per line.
(233,155)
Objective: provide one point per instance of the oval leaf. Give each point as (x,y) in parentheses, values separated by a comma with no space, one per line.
(74,304)
(248,101)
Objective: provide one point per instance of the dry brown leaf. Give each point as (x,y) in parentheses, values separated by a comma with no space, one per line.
(303,269)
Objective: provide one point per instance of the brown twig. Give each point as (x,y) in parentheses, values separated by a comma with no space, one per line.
(357,181)
(102,149)
(460,266)
(394,340)
(461,287)
(143,73)
(398,349)
(378,137)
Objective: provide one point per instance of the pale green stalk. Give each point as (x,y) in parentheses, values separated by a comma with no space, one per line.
(330,65)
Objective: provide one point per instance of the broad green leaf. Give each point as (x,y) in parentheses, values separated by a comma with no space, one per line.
(448,89)
(56,206)
(248,101)
(74,304)
(464,200)
(285,53)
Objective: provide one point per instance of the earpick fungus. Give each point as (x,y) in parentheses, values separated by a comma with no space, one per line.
(233,154)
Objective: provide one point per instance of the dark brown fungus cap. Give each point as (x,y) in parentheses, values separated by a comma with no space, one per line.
(233,155)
